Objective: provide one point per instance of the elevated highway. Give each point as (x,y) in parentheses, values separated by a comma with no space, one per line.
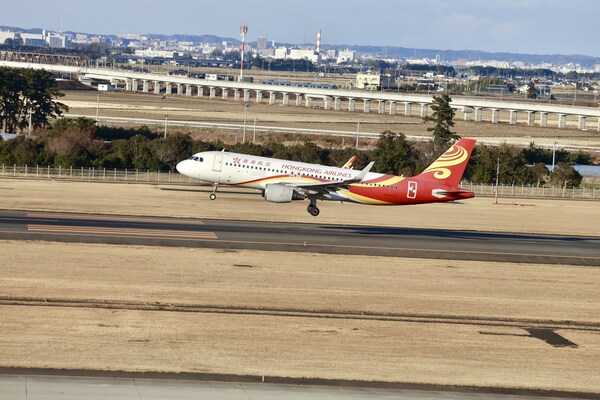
(337,99)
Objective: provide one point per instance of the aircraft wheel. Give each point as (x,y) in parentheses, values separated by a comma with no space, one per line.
(314,211)
(213,196)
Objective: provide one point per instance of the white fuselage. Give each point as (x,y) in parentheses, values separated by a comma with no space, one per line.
(256,172)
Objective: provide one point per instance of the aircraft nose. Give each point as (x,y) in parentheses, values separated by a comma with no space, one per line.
(183,167)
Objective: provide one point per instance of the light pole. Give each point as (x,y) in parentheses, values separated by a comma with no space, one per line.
(166,119)
(246,105)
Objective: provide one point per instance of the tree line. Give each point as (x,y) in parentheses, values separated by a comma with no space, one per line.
(80,143)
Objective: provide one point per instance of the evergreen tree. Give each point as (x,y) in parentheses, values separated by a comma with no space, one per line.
(394,154)
(443,117)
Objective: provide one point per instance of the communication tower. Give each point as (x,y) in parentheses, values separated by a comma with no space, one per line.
(243,32)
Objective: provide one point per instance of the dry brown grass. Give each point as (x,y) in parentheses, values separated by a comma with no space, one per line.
(290,346)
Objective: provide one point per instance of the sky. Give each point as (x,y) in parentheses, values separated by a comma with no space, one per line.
(516,26)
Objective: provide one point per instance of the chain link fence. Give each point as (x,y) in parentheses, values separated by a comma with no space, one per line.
(164,178)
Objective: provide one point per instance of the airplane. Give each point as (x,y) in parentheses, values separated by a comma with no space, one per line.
(283,181)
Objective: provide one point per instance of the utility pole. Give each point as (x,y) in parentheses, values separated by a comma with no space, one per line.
(246,105)
(166,118)
(97,107)
(30,122)
(254,133)
(497,178)
(357,133)
(553,156)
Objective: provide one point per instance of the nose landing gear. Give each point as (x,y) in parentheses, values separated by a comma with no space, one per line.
(213,195)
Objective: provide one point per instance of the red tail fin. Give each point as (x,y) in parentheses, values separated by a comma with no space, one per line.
(450,167)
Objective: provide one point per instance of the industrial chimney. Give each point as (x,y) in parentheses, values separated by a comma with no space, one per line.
(243,32)
(318,41)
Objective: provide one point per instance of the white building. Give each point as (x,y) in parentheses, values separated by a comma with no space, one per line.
(4,36)
(281,53)
(346,56)
(301,54)
(151,53)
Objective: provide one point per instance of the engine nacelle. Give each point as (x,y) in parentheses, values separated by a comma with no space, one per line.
(278,193)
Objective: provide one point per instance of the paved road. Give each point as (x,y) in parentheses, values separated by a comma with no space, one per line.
(22,387)
(332,239)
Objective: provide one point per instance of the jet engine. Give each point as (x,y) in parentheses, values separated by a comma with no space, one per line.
(278,193)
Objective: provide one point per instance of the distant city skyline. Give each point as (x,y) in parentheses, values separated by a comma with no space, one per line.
(516,26)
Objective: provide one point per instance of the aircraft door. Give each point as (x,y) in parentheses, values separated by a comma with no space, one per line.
(218,162)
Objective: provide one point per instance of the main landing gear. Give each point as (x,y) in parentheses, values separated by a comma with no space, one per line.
(213,195)
(312,207)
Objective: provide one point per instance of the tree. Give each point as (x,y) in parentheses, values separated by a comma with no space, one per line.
(394,154)
(28,91)
(565,175)
(540,173)
(443,117)
(532,92)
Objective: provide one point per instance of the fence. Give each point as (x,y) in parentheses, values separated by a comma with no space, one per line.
(156,177)
(94,174)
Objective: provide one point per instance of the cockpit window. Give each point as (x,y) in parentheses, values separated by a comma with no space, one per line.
(194,158)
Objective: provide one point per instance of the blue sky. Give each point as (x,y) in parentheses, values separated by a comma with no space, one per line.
(519,26)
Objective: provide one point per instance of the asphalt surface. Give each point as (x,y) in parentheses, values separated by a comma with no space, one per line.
(331,239)
(22,387)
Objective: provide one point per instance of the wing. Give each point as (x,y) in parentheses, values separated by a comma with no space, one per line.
(327,187)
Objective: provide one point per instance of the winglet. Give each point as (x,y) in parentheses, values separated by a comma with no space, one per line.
(349,163)
(362,174)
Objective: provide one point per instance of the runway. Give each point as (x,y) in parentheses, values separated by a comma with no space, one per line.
(17,387)
(331,239)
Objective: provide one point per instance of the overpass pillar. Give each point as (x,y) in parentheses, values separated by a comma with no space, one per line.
(224,93)
(179,89)
(200,89)
(467,115)
(495,115)
(543,119)
(392,108)
(598,124)
(298,99)
(286,99)
(188,90)
(308,101)
(351,104)
(156,87)
(562,120)
(128,85)
(337,103)
(236,95)
(212,92)
(366,105)
(259,96)
(272,98)
(134,85)
(477,114)
(424,107)
(168,88)
(145,86)
(327,101)
(530,118)
(246,95)
(381,106)
(513,117)
(581,122)
(407,109)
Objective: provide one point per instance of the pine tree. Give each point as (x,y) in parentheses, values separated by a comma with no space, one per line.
(443,117)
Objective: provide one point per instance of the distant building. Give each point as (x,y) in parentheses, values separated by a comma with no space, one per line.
(151,53)
(368,81)
(346,56)
(4,36)
(281,52)
(261,44)
(302,54)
